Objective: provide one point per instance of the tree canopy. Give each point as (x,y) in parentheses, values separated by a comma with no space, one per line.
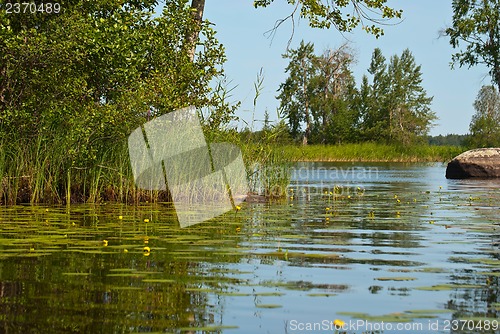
(485,123)
(476,25)
(98,69)
(74,84)
(343,15)
(320,94)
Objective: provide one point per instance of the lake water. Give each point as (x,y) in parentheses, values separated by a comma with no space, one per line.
(389,248)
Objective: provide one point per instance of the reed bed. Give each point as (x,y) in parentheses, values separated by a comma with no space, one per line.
(371,152)
(36,172)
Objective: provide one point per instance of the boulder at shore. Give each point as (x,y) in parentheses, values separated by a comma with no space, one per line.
(481,163)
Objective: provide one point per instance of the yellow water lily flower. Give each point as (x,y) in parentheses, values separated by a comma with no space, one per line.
(338,323)
(237,207)
(120,217)
(146,220)
(147,251)
(105,242)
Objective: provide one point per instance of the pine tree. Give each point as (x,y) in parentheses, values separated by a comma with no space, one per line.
(376,121)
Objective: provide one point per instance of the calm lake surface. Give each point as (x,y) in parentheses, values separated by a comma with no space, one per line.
(389,248)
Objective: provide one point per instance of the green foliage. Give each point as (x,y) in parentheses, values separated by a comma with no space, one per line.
(78,82)
(317,93)
(373,99)
(485,124)
(410,115)
(326,14)
(372,152)
(396,106)
(296,92)
(476,24)
(448,140)
(320,93)
(334,92)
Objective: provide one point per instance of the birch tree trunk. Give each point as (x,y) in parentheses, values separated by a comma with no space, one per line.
(198,7)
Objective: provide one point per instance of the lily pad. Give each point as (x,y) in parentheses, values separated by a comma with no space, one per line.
(321,294)
(397,278)
(436,311)
(269,294)
(268,305)
(446,287)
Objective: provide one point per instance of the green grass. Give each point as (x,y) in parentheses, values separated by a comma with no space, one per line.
(40,173)
(371,152)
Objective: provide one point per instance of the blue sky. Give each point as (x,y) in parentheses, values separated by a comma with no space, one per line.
(241,29)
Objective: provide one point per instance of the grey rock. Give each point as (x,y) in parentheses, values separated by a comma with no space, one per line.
(477,163)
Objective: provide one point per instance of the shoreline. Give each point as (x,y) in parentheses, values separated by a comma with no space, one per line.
(369,152)
(416,160)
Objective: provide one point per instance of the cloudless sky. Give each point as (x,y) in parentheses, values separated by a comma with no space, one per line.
(242,30)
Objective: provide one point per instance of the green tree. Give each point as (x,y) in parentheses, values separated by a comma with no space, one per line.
(363,104)
(335,13)
(91,73)
(410,116)
(485,124)
(395,108)
(476,24)
(79,81)
(333,86)
(373,106)
(296,92)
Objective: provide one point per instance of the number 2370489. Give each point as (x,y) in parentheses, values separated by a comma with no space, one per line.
(32,7)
